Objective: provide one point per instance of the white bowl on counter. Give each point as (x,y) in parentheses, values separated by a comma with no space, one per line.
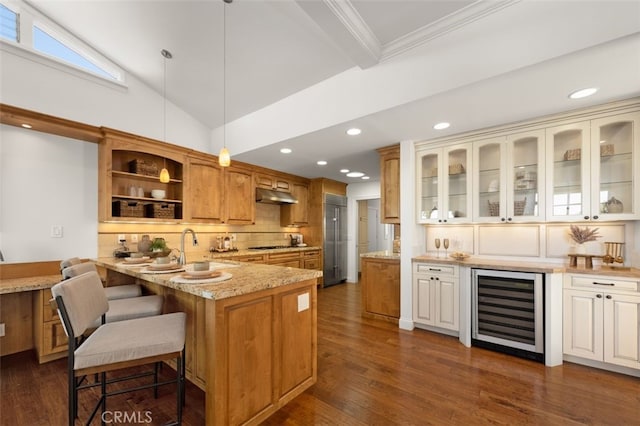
(158,193)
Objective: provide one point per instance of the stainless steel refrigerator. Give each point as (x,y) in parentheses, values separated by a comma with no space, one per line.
(335,239)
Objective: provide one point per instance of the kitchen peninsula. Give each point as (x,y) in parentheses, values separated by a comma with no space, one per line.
(251,340)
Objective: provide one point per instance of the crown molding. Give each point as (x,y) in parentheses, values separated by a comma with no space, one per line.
(454,21)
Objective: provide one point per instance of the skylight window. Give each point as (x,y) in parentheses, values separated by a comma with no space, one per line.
(8,24)
(27,29)
(45,43)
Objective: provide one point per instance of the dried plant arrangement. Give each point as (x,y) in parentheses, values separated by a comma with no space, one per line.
(583,235)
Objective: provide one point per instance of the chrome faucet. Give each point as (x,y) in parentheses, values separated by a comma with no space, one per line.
(183,259)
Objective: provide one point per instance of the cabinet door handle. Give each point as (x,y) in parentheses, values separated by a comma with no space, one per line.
(502,219)
(509,219)
(608,296)
(595,217)
(607,284)
(599,296)
(586,217)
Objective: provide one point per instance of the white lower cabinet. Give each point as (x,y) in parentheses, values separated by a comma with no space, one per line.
(436,295)
(601,319)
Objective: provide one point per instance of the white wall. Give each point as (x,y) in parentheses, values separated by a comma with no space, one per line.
(33,83)
(47,180)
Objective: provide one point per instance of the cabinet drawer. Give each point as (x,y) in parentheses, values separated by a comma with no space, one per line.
(311,263)
(277,257)
(53,338)
(603,283)
(422,268)
(312,253)
(252,258)
(290,263)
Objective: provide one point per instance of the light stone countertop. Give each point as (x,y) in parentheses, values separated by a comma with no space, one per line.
(246,278)
(384,254)
(249,252)
(17,285)
(541,267)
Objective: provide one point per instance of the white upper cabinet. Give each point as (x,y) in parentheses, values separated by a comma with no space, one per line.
(590,170)
(444,192)
(508,178)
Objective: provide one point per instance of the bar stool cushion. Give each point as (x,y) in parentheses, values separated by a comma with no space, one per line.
(137,307)
(134,339)
(123,291)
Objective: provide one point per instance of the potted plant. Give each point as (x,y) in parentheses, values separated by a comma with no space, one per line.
(159,247)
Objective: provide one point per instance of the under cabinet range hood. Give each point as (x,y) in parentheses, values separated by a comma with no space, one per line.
(274,197)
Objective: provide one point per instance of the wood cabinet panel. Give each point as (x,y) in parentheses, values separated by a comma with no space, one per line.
(277,183)
(381,288)
(296,214)
(16,314)
(297,332)
(240,200)
(390,184)
(205,191)
(250,358)
(264,352)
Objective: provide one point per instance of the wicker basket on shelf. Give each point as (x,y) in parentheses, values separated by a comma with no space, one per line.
(160,211)
(143,167)
(494,208)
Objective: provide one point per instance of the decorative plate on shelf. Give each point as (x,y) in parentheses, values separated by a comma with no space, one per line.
(459,255)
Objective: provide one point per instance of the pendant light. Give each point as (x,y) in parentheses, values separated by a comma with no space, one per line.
(164,173)
(224,159)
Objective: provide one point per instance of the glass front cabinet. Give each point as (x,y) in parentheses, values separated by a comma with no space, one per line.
(444,192)
(591,169)
(508,178)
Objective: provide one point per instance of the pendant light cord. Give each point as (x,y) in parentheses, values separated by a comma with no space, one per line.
(224,73)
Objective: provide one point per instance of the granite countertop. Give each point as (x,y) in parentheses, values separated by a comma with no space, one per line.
(246,278)
(385,254)
(17,285)
(249,252)
(541,267)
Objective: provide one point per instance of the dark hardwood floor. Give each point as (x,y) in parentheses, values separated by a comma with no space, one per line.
(370,373)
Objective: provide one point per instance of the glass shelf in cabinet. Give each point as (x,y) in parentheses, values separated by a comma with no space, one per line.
(489,171)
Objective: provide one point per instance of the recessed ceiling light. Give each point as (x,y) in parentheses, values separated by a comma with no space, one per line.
(27,126)
(365,178)
(321,163)
(286,150)
(344,170)
(441,126)
(354,131)
(583,93)
(355,174)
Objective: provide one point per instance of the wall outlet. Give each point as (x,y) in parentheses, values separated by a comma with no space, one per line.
(120,238)
(134,238)
(2,330)
(56,231)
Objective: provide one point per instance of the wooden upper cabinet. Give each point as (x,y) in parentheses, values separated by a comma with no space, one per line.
(390,184)
(273,182)
(296,214)
(240,197)
(204,188)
